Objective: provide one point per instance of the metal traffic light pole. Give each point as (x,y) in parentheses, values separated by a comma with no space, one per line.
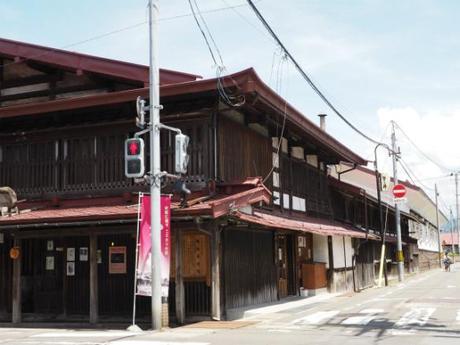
(155,183)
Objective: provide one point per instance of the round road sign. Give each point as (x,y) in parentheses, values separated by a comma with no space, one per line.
(399,191)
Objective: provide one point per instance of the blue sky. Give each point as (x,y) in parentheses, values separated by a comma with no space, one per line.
(376,60)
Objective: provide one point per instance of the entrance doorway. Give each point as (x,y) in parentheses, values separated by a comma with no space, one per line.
(286,268)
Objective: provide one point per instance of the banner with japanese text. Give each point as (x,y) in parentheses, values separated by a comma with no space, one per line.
(144,268)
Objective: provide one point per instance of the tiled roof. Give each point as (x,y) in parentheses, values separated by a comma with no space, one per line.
(213,205)
(306,224)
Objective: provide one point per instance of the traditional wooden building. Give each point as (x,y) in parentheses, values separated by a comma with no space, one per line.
(418,221)
(264,220)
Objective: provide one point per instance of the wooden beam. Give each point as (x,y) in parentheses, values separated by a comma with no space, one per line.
(46,92)
(16,291)
(180,293)
(93,286)
(35,79)
(215,273)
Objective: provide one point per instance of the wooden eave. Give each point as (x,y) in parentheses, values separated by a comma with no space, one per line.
(71,61)
(247,82)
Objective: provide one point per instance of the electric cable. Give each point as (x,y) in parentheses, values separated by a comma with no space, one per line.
(234,100)
(420,150)
(308,79)
(122,29)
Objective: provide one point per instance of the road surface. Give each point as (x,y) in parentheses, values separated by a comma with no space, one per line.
(425,309)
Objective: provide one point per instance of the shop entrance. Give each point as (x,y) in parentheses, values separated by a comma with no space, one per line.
(286,268)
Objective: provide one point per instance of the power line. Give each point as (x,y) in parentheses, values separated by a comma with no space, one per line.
(204,34)
(307,78)
(233,100)
(412,175)
(239,14)
(420,150)
(122,29)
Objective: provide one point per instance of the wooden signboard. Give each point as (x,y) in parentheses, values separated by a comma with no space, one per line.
(117,260)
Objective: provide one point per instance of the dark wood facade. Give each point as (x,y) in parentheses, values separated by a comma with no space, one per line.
(66,149)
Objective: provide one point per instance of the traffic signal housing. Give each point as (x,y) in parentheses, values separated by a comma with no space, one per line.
(134,158)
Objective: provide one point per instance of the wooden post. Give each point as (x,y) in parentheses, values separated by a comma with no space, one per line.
(64,277)
(93,288)
(180,294)
(215,273)
(331,264)
(16,293)
(3,278)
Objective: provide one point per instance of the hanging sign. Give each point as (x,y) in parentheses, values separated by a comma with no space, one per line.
(144,268)
(70,254)
(84,254)
(117,260)
(70,268)
(50,263)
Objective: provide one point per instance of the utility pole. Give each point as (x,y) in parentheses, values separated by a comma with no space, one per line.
(437,224)
(155,184)
(456,211)
(399,252)
(452,233)
(382,265)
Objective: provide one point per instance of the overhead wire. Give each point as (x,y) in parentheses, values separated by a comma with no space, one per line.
(239,14)
(122,29)
(442,167)
(234,100)
(308,79)
(283,60)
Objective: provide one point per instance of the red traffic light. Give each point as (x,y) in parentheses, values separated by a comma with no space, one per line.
(134,158)
(134,147)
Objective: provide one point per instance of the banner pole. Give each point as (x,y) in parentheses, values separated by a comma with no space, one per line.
(141,195)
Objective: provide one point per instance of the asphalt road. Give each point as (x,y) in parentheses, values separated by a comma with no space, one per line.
(425,309)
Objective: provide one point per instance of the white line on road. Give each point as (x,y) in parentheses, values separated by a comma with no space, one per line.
(416,316)
(458,316)
(368,316)
(84,334)
(316,318)
(152,342)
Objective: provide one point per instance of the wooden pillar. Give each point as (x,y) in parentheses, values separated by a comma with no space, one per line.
(93,288)
(64,277)
(331,264)
(3,278)
(16,293)
(180,293)
(215,273)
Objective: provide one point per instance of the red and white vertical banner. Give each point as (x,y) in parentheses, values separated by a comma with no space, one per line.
(144,268)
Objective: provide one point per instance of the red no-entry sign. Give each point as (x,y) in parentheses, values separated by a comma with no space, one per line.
(399,191)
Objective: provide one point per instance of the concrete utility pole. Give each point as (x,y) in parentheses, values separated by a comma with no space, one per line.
(437,224)
(452,233)
(155,185)
(399,252)
(456,211)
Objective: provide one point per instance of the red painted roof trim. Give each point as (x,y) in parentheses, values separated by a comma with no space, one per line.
(76,61)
